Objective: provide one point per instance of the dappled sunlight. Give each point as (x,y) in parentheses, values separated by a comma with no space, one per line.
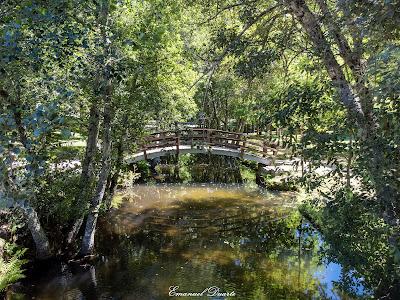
(200,236)
(175,210)
(248,144)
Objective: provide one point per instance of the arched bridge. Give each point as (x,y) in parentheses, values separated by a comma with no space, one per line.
(206,141)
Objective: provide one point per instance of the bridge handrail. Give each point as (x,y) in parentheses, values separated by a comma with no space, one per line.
(196,129)
(206,136)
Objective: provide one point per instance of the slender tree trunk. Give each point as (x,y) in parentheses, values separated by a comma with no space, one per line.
(87,168)
(240,125)
(106,91)
(269,133)
(111,187)
(215,114)
(91,146)
(114,178)
(90,228)
(39,237)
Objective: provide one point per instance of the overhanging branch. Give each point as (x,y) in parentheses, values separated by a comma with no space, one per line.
(210,71)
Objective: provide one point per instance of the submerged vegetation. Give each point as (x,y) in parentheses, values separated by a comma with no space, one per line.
(83,82)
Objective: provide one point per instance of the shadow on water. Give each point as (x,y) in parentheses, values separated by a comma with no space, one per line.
(243,241)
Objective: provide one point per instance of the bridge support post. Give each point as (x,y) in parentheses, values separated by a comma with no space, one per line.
(265,148)
(177,141)
(243,147)
(191,137)
(208,141)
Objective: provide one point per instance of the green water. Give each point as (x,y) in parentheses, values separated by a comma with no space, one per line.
(209,240)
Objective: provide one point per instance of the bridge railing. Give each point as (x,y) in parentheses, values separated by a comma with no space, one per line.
(205,137)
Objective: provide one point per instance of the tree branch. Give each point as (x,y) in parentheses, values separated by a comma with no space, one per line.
(228,7)
(210,71)
(351,59)
(309,23)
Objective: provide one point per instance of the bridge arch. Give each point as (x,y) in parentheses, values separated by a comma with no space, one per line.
(204,141)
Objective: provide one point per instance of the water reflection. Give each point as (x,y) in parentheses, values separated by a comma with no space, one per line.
(246,241)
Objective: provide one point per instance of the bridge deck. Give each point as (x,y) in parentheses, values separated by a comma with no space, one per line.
(205,141)
(184,149)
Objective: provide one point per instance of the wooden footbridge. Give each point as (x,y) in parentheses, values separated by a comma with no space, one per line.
(205,141)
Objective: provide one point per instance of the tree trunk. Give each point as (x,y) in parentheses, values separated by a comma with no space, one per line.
(39,237)
(106,92)
(87,168)
(311,26)
(240,125)
(359,104)
(91,146)
(353,59)
(114,178)
(226,115)
(90,229)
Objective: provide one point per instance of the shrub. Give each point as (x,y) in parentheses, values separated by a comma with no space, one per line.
(11,269)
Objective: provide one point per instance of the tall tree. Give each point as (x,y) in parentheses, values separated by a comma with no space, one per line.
(354,93)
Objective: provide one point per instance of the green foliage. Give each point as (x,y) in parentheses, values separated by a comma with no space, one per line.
(356,238)
(144,169)
(54,201)
(214,168)
(247,65)
(11,269)
(296,96)
(53,57)
(248,174)
(184,167)
(282,184)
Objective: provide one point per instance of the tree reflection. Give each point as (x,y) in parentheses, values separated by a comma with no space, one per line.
(237,244)
(242,241)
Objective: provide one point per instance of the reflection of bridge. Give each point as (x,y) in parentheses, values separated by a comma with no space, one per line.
(206,141)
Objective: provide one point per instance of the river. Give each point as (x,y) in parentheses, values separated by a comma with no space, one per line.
(214,241)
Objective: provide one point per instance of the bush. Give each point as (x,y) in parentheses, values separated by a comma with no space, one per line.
(11,269)
(357,238)
(281,184)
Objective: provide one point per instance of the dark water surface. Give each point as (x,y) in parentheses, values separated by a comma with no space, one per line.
(205,238)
